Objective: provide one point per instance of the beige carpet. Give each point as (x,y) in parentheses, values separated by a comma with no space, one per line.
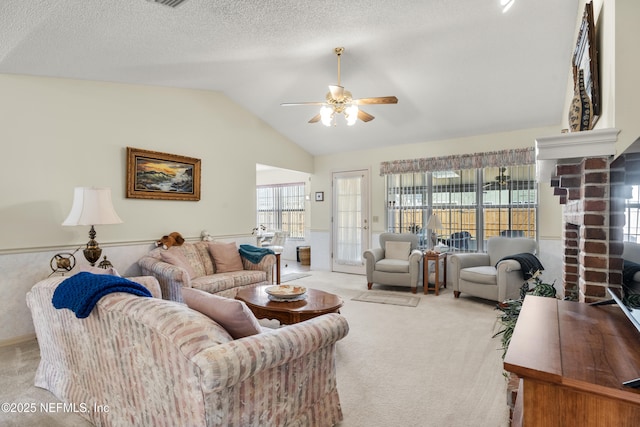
(430,365)
(388,297)
(292,276)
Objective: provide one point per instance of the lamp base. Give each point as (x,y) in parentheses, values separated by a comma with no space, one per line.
(92,252)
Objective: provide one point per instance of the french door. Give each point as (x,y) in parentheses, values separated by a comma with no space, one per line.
(350,222)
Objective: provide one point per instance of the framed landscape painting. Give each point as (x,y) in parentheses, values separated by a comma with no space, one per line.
(154,175)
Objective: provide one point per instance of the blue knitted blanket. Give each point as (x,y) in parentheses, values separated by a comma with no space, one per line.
(253,253)
(82,291)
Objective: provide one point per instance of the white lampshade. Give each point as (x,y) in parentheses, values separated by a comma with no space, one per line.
(92,206)
(434,223)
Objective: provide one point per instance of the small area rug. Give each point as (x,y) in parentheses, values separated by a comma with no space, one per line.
(384,297)
(292,276)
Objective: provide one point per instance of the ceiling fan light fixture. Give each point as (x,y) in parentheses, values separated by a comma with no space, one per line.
(340,101)
(326,115)
(351,114)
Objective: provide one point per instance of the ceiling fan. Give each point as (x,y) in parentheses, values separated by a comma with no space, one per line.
(340,101)
(501,180)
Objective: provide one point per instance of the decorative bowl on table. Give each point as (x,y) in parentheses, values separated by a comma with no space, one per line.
(286,291)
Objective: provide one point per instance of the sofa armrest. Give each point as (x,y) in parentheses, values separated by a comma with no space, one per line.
(170,277)
(233,362)
(508,265)
(149,282)
(510,279)
(371,256)
(414,267)
(266,264)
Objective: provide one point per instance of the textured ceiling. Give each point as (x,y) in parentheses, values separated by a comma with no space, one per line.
(458,67)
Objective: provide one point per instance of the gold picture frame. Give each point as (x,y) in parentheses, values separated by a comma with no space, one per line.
(163,176)
(585,57)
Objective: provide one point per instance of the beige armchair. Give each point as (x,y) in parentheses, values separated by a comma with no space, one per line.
(396,262)
(484,275)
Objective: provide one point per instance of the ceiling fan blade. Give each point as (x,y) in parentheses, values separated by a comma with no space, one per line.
(364,116)
(337,92)
(293,104)
(377,100)
(315,119)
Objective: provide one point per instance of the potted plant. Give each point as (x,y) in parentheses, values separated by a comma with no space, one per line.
(510,309)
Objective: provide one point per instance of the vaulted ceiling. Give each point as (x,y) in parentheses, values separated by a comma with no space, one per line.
(458,67)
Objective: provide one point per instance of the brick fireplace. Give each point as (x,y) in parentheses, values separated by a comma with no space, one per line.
(592,190)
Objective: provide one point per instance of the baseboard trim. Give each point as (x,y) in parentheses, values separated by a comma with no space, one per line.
(17,340)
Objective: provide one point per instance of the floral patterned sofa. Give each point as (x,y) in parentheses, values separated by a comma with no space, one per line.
(151,362)
(193,265)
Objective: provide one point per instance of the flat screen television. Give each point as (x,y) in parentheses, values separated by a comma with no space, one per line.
(633,313)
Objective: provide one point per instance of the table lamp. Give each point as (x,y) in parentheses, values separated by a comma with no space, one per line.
(92,206)
(433,224)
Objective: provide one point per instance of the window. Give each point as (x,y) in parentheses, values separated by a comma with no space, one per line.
(473,204)
(632,215)
(281,207)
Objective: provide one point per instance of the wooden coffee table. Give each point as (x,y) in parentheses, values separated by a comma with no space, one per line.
(316,304)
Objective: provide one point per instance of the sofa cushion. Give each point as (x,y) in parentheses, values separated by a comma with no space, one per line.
(486,275)
(206,261)
(97,270)
(233,315)
(214,283)
(175,256)
(226,257)
(194,257)
(392,265)
(397,250)
(221,282)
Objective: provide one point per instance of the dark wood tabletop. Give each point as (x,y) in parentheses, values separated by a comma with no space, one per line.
(315,304)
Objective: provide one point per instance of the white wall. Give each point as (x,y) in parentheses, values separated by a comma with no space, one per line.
(57,134)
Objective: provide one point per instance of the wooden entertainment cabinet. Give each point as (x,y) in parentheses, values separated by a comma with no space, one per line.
(572,359)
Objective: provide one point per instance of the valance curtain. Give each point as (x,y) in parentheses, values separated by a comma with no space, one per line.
(517,156)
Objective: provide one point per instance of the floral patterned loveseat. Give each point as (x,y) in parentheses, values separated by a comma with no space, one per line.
(192,265)
(151,362)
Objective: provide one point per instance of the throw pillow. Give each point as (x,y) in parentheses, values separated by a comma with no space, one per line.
(226,257)
(97,270)
(233,315)
(174,256)
(397,250)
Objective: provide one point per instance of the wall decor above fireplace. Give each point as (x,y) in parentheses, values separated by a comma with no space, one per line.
(585,58)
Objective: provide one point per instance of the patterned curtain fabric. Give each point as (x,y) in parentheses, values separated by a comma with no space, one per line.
(517,156)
